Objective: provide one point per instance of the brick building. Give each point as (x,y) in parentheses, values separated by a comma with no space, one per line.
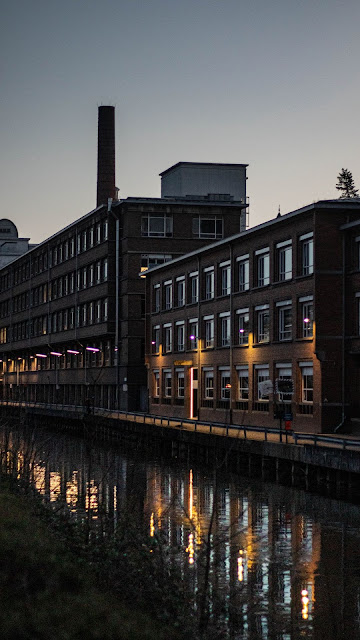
(280,301)
(72,308)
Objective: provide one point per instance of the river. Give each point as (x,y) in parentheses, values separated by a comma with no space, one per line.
(283,564)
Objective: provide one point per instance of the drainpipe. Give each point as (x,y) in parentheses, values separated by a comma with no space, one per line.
(342,339)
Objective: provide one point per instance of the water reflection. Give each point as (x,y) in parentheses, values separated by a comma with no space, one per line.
(282,564)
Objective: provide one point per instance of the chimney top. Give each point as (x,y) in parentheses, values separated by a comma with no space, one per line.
(106,155)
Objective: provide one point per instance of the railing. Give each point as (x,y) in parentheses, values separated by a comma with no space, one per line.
(217,428)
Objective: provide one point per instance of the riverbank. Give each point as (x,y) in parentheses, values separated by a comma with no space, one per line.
(47,592)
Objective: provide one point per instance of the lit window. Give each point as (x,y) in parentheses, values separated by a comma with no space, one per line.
(157,297)
(284,372)
(225,384)
(156,339)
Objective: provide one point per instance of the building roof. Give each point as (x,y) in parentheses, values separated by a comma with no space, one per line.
(351,203)
(202,164)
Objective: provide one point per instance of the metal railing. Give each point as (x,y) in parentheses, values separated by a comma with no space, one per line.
(273,434)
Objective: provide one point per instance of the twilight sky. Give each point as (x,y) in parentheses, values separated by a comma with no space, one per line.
(272,83)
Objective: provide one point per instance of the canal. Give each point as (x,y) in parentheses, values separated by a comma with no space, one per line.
(273,562)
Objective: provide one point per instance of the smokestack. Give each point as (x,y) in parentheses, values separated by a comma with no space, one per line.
(106,156)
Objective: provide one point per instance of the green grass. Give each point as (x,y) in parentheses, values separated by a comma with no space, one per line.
(46,593)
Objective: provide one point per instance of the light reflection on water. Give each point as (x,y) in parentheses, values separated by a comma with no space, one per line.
(283,564)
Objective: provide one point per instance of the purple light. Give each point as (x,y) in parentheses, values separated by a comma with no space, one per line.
(306,320)
(192,337)
(55,353)
(40,355)
(153,342)
(93,349)
(241,330)
(76,353)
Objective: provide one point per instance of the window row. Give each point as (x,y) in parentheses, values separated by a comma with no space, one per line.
(88,276)
(203,226)
(96,355)
(216,385)
(225,278)
(216,331)
(51,256)
(81,316)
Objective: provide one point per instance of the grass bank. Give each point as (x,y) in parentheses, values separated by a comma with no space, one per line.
(48,593)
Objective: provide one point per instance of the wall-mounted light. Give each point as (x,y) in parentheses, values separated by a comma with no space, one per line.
(93,349)
(75,353)
(192,337)
(55,353)
(40,355)
(306,320)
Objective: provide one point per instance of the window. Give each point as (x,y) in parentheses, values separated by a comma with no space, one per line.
(91,237)
(98,272)
(261,374)
(167,384)
(97,310)
(180,336)
(193,333)
(225,275)
(262,323)
(209,332)
(105,229)
(243,272)
(91,275)
(180,291)
(157,226)
(285,320)
(157,296)
(194,287)
(307,254)
(209,385)
(78,246)
(243,325)
(209,283)
(263,267)
(149,260)
(225,384)
(84,240)
(168,294)
(98,233)
(180,384)
(307,316)
(283,370)
(284,260)
(243,382)
(156,339)
(156,384)
(105,270)
(168,337)
(207,227)
(307,382)
(225,329)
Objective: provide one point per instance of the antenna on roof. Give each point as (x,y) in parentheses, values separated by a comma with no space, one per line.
(279,214)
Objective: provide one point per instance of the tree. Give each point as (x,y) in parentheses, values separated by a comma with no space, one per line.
(346,184)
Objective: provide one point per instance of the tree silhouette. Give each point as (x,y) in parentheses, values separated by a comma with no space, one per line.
(346,184)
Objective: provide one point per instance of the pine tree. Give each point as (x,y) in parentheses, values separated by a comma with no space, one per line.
(346,184)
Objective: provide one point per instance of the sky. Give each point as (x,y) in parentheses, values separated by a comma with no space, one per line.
(271,83)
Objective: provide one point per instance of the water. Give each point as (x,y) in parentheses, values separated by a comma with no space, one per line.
(283,564)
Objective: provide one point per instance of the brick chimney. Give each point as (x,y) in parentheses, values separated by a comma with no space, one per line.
(106,156)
